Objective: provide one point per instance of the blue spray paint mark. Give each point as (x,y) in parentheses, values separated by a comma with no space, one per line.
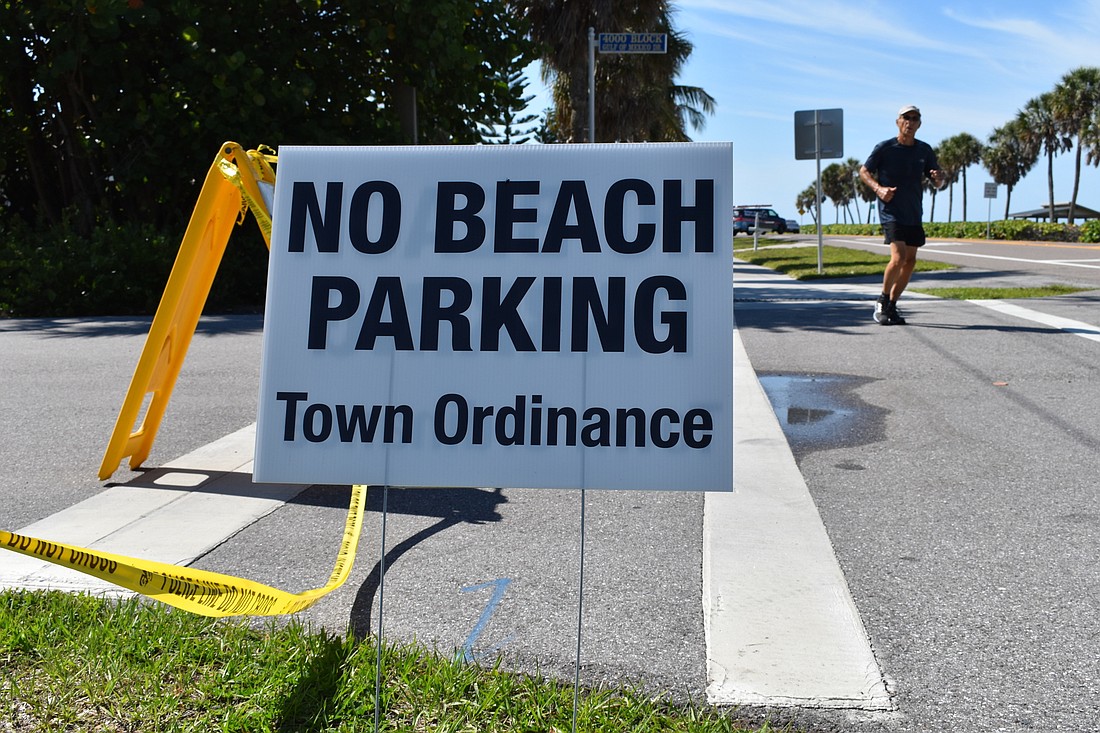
(499,586)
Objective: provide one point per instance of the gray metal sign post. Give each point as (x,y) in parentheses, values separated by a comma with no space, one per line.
(616,43)
(818,134)
(608,43)
(591,85)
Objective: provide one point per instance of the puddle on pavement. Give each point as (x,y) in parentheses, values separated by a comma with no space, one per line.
(822,411)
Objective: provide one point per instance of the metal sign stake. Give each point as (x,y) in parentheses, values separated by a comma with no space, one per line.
(591,85)
(817,199)
(580,622)
(381,600)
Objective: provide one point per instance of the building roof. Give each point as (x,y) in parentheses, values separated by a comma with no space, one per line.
(1061,211)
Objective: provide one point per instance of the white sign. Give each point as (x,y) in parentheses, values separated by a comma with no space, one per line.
(511,316)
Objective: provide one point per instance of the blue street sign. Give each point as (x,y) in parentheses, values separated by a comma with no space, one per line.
(633,43)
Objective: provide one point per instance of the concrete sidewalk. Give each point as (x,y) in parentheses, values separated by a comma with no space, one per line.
(172,514)
(781,626)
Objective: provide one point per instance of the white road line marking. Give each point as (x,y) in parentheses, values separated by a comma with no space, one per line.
(1077,328)
(1062,263)
(936,248)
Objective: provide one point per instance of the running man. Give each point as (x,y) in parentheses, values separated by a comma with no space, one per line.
(895,171)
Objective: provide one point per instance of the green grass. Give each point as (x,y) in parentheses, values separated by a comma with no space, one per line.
(974,293)
(77,663)
(801,262)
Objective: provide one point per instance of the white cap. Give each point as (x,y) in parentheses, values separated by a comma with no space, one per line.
(908,108)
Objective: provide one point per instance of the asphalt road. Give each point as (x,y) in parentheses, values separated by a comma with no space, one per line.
(958,481)
(953,461)
(999,264)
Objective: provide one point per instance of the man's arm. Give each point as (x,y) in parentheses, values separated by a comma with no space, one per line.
(886,193)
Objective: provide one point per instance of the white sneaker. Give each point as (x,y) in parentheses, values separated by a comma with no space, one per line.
(882,316)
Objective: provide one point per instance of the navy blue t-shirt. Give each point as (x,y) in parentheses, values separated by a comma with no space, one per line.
(905,167)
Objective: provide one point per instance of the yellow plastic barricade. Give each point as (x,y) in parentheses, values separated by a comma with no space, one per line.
(235,184)
(232,186)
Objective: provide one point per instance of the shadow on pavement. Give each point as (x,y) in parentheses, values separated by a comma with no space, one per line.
(126,326)
(817,315)
(985,327)
(451,506)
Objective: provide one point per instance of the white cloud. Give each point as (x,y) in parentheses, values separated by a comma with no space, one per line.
(1034,41)
(870,22)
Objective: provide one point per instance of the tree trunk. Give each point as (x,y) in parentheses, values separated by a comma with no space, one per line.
(40,158)
(1050,182)
(964,195)
(1076,181)
(578,95)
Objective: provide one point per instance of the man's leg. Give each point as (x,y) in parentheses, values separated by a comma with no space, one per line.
(903,258)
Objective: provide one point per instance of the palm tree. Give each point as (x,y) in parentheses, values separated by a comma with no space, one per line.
(1039,128)
(560,29)
(837,185)
(970,150)
(636,101)
(1008,157)
(1074,104)
(862,190)
(1091,139)
(933,189)
(961,151)
(691,104)
(950,158)
(636,98)
(807,201)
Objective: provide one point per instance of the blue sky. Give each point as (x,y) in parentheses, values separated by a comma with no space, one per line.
(969,65)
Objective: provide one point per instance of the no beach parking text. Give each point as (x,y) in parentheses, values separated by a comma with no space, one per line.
(461,228)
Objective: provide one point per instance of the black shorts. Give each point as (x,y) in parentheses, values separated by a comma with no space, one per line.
(911,235)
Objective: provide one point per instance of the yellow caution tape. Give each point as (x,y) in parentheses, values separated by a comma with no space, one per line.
(198,591)
(230,163)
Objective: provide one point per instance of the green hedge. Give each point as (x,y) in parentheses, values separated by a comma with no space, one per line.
(1090,231)
(1012,229)
(119,269)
